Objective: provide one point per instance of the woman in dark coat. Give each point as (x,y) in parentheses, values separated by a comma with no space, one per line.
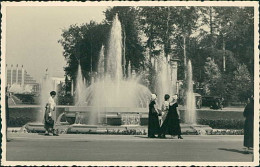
(249,124)
(153,121)
(171,125)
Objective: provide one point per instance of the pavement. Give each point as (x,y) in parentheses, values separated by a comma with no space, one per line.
(91,147)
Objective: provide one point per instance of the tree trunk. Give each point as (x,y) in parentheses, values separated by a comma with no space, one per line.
(184,55)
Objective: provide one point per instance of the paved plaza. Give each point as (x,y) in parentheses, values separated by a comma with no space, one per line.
(88,147)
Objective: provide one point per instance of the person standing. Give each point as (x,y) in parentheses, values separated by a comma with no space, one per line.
(153,121)
(171,125)
(49,116)
(165,108)
(249,124)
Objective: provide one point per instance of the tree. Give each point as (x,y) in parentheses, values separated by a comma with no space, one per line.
(230,28)
(242,84)
(228,39)
(82,44)
(185,23)
(165,29)
(212,78)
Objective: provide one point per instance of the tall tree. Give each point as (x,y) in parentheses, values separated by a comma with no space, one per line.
(237,26)
(82,44)
(242,84)
(165,28)
(212,77)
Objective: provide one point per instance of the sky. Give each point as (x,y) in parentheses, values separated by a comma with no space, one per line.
(32,35)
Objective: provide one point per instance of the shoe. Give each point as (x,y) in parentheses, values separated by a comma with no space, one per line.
(246,152)
(54,134)
(160,136)
(163,137)
(179,137)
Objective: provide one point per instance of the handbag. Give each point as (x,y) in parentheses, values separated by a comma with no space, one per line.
(50,120)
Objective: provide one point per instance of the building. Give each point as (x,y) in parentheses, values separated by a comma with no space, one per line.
(56,81)
(19,76)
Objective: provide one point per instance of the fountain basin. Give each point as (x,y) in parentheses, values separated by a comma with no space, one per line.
(19,116)
(106,109)
(35,127)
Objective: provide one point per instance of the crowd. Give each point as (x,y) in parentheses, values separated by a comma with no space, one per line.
(166,120)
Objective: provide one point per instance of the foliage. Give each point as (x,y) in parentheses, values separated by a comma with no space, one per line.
(212,77)
(148,32)
(237,27)
(230,35)
(164,29)
(242,82)
(82,44)
(225,132)
(223,123)
(26,98)
(64,97)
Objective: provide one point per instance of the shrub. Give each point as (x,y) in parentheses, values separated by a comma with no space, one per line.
(222,123)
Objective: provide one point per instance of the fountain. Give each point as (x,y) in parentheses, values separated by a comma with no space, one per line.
(163,85)
(46,88)
(101,63)
(111,93)
(115,99)
(190,113)
(80,88)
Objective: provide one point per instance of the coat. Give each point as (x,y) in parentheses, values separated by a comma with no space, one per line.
(249,125)
(171,125)
(153,121)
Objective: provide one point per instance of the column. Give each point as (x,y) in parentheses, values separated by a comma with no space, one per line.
(16,74)
(11,75)
(22,76)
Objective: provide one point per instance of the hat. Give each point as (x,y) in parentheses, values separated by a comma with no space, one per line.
(175,97)
(153,96)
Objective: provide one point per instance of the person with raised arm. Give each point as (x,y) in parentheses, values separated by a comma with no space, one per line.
(171,124)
